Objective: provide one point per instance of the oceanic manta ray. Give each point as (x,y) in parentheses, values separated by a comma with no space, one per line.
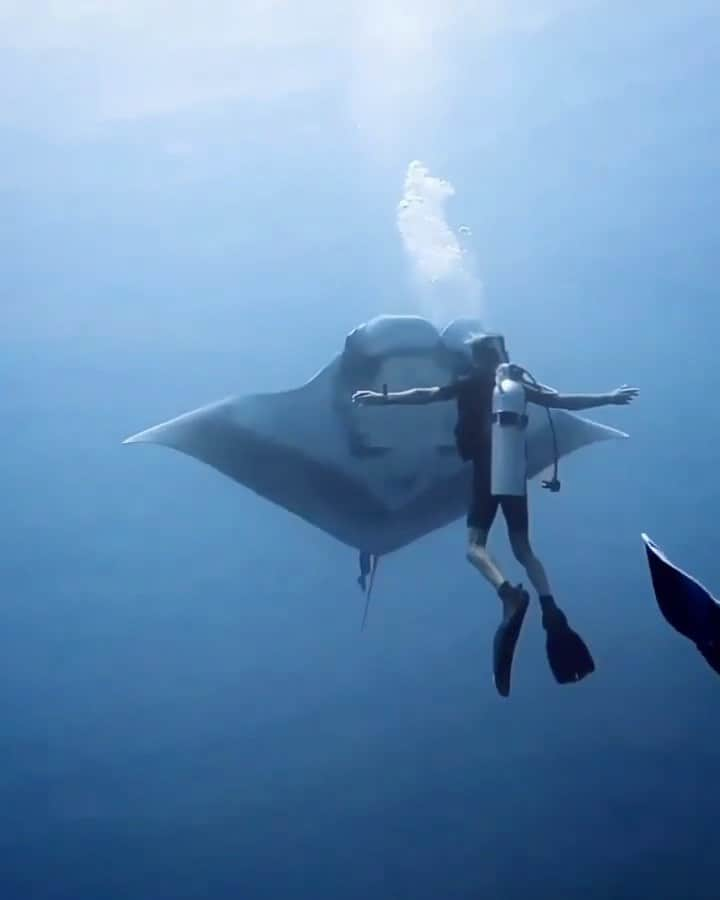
(374,478)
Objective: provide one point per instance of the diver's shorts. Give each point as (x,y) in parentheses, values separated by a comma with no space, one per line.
(484,506)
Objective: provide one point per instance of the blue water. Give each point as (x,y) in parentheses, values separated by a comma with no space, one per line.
(189,709)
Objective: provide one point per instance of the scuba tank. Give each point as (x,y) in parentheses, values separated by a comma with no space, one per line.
(509,428)
(508,457)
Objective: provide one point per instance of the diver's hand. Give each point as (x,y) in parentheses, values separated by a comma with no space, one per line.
(367,398)
(623,395)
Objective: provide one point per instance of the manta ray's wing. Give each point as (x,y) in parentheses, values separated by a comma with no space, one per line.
(571,433)
(374,478)
(288,447)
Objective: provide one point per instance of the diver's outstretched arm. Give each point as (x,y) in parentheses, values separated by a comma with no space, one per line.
(619,397)
(401,398)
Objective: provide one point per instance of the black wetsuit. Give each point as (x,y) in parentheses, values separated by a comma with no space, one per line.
(473,394)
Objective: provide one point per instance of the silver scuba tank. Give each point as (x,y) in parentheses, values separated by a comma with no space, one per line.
(508,470)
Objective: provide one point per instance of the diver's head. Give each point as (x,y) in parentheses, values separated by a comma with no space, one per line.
(487,351)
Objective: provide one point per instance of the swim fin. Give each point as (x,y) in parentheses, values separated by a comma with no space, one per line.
(686,604)
(568,655)
(506,638)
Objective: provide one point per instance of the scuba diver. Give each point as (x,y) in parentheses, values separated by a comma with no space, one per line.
(490,433)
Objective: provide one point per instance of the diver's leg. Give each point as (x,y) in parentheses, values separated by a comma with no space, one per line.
(568,655)
(480,517)
(514,599)
(514,604)
(515,510)
(479,557)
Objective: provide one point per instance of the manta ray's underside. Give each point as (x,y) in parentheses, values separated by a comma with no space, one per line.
(374,478)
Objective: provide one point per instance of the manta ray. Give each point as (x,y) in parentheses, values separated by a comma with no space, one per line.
(374,478)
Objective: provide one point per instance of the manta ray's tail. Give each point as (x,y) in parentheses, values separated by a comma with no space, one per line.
(368,567)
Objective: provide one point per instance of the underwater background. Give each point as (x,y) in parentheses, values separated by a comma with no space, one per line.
(198,204)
